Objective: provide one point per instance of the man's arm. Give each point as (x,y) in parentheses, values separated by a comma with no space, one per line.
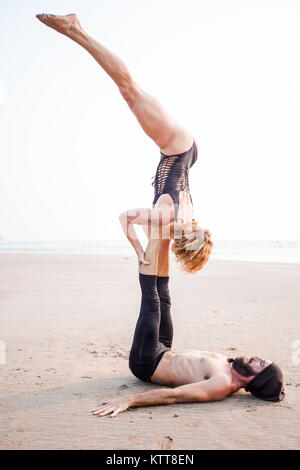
(216,388)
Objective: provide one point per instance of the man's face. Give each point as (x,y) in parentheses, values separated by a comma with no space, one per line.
(258,364)
(249,367)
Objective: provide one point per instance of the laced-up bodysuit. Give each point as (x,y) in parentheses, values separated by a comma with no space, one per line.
(172,175)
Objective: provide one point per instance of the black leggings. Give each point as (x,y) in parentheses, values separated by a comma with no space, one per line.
(154,329)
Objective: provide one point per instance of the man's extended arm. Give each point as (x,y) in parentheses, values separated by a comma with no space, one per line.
(216,388)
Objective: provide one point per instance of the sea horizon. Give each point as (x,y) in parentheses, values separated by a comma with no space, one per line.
(278,251)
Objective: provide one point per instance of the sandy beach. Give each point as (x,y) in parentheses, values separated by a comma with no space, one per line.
(68,321)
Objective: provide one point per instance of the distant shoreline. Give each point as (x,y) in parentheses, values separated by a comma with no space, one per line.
(256,251)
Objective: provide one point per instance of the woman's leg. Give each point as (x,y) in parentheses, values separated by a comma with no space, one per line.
(155,121)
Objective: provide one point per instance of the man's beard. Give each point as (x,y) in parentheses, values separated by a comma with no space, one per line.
(239,365)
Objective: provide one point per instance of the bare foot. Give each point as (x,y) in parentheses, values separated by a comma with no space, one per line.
(67,24)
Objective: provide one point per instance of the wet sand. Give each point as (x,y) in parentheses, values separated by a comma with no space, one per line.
(68,322)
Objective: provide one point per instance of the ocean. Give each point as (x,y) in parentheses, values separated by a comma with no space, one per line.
(261,251)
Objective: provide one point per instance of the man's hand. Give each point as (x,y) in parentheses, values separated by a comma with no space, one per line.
(151,397)
(113,407)
(216,388)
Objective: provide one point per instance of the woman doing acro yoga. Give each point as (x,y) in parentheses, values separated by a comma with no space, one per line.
(189,376)
(172,205)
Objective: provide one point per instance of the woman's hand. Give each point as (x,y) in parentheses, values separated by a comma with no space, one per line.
(113,407)
(142,260)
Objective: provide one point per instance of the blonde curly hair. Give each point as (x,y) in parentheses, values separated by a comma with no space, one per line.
(192,246)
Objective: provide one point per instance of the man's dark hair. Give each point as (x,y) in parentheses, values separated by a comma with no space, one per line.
(268,384)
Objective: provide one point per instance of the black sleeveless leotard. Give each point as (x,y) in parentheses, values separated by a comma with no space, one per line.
(172,175)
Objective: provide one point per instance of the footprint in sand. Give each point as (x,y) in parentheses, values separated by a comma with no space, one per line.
(166,443)
(250,408)
(120,354)
(122,387)
(95,353)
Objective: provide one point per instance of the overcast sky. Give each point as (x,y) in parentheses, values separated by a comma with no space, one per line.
(72,155)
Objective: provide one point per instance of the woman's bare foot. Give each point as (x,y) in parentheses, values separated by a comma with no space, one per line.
(68,24)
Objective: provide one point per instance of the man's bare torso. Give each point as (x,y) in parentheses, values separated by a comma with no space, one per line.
(180,368)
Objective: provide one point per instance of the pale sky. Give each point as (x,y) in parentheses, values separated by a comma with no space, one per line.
(72,155)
